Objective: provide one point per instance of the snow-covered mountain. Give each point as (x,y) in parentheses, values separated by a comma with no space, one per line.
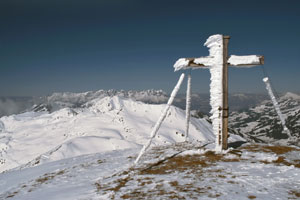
(200,101)
(101,124)
(261,123)
(57,101)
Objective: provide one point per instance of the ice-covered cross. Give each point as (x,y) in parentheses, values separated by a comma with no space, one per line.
(217,62)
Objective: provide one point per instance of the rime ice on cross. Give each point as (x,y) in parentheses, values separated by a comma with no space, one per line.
(217,62)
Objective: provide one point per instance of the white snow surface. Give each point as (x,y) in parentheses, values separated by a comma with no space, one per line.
(108,175)
(103,124)
(245,61)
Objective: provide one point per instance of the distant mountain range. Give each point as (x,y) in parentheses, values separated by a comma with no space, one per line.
(56,101)
(200,102)
(76,100)
(252,115)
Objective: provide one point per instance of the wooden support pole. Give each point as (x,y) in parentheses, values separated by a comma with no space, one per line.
(225,94)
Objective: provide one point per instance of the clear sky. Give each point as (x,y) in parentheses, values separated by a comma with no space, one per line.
(71,45)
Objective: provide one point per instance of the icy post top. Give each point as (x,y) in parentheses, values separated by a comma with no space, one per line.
(214,43)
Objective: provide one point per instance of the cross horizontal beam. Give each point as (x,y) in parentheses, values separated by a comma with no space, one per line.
(246,61)
(235,61)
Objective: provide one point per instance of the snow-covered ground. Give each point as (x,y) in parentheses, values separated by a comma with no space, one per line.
(88,153)
(181,171)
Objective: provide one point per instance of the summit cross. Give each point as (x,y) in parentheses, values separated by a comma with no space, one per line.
(217,62)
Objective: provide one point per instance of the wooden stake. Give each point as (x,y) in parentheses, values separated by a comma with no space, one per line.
(225,94)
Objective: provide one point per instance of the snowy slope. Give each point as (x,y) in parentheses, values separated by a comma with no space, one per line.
(102,124)
(177,171)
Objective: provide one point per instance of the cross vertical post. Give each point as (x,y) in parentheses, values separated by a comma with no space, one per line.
(225,109)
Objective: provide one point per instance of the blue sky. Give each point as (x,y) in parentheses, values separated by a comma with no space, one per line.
(58,45)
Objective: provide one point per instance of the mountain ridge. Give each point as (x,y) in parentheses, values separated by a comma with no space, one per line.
(261,123)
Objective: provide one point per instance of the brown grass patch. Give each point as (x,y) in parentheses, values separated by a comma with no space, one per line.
(278,150)
(281,161)
(45,179)
(120,183)
(295,194)
(48,177)
(159,191)
(281,149)
(99,161)
(116,185)
(11,195)
(214,195)
(192,166)
(98,186)
(192,163)
(174,183)
(269,149)
(232,182)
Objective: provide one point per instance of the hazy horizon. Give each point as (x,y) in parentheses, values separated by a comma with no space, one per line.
(168,93)
(200,101)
